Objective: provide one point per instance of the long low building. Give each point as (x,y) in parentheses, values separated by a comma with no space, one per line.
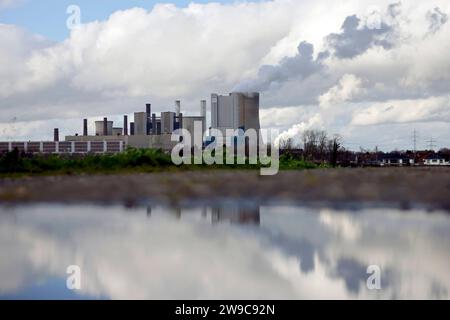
(64,147)
(162,141)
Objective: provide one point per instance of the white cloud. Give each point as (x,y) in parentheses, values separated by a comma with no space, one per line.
(419,110)
(17,49)
(347,89)
(167,51)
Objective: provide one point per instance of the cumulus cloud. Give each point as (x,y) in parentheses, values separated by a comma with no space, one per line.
(16,51)
(168,50)
(347,89)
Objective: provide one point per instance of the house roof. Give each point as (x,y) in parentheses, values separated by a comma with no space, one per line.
(394,156)
(434,157)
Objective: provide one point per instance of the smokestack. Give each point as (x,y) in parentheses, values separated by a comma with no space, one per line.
(125,125)
(85,127)
(105,126)
(131,128)
(203,108)
(56,135)
(177,107)
(148,116)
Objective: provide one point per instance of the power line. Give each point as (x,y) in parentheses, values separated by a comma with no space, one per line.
(431,143)
(415,140)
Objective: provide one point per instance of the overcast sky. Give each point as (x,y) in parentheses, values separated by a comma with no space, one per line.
(372,71)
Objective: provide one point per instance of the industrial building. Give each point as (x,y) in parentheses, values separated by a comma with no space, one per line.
(147,130)
(236,111)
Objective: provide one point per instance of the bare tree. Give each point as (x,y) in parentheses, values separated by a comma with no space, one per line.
(322,142)
(334,145)
(286,144)
(310,143)
(315,144)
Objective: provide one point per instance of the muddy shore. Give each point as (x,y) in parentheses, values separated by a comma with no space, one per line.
(398,186)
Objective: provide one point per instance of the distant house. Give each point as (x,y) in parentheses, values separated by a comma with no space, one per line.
(366,159)
(436,160)
(421,156)
(396,159)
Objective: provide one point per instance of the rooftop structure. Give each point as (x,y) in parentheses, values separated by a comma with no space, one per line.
(235,111)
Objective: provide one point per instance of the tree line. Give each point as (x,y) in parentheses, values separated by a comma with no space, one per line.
(315,146)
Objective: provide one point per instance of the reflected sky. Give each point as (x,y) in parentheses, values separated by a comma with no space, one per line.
(222,252)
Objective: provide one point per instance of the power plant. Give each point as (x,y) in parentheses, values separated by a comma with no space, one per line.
(147,130)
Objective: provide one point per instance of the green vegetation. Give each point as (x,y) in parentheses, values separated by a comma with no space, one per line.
(132,160)
(288,162)
(144,159)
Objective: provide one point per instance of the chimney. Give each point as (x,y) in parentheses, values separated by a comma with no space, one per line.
(105,126)
(125,125)
(56,135)
(177,107)
(148,112)
(131,128)
(203,108)
(85,127)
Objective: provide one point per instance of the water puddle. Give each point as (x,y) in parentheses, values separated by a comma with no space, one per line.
(224,251)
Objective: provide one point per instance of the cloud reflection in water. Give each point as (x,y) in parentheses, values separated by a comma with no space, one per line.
(225,252)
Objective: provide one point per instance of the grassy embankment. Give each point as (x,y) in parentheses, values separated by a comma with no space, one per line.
(133,160)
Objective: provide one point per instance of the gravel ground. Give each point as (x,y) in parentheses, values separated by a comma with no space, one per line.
(429,187)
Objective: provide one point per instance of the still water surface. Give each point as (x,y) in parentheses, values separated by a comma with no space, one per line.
(223,252)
